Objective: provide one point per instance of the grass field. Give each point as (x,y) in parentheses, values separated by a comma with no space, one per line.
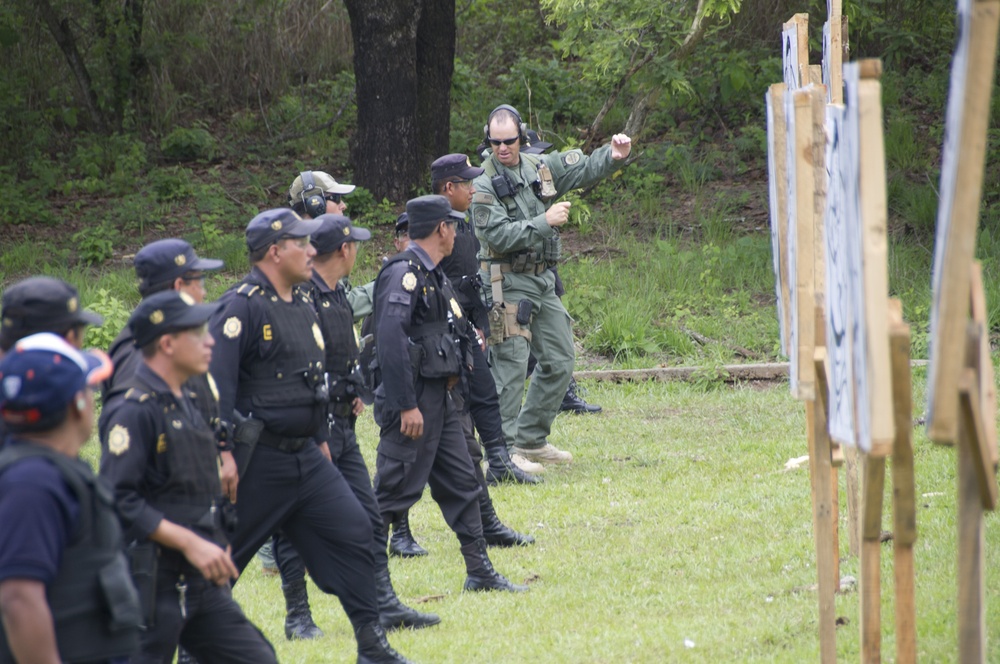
(676,535)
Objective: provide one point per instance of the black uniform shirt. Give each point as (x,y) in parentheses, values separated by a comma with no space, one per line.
(132,453)
(244,335)
(403,301)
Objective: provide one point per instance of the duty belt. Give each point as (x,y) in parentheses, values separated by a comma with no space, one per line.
(342,408)
(283,443)
(533,268)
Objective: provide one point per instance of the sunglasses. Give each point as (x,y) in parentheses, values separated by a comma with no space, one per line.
(333,198)
(506,141)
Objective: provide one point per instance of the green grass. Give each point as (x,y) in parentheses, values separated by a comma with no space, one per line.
(675,522)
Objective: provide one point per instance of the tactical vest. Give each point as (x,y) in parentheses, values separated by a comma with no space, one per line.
(462,262)
(292,376)
(94,605)
(438,327)
(519,206)
(186,455)
(337,323)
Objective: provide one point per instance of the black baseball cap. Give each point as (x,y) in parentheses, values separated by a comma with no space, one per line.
(335,230)
(166,312)
(402,222)
(426,212)
(164,261)
(535,145)
(271,226)
(454,166)
(41,304)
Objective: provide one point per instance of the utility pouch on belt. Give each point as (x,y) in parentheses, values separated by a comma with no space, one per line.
(142,562)
(497,326)
(552,249)
(247,432)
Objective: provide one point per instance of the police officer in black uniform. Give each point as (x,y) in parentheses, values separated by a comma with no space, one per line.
(421,341)
(451,177)
(269,364)
(42,304)
(336,251)
(65,591)
(172,264)
(160,456)
(476,396)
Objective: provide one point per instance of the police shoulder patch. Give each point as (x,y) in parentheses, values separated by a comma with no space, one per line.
(572,157)
(485,199)
(118,440)
(409,282)
(481,216)
(455,309)
(212,386)
(161,444)
(232,327)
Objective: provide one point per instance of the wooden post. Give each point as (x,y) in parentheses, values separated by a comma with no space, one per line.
(971,539)
(778,153)
(874,218)
(961,185)
(869,582)
(801,24)
(824,522)
(805,228)
(904,508)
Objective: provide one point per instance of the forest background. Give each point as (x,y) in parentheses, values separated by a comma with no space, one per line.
(677,534)
(129,120)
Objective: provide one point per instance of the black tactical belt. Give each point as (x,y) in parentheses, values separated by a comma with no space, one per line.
(291,445)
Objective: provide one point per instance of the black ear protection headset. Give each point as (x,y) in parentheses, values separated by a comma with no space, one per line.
(314,204)
(522,129)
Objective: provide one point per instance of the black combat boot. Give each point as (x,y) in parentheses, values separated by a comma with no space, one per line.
(494,532)
(298,619)
(392,613)
(402,544)
(481,575)
(573,403)
(374,648)
(501,468)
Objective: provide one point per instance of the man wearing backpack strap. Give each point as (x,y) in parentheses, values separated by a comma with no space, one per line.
(516,219)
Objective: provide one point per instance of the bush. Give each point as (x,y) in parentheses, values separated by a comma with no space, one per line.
(194,144)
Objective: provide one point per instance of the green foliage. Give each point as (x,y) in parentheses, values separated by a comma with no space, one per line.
(95,245)
(364,209)
(624,331)
(115,313)
(189,144)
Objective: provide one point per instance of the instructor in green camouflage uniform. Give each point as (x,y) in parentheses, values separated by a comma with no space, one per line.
(516,219)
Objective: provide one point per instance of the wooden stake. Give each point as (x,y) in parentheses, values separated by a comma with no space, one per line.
(971,420)
(904,509)
(869,583)
(780,203)
(805,228)
(824,522)
(801,23)
(876,247)
(987,382)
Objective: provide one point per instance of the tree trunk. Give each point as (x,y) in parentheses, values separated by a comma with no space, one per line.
(63,35)
(386,147)
(436,33)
